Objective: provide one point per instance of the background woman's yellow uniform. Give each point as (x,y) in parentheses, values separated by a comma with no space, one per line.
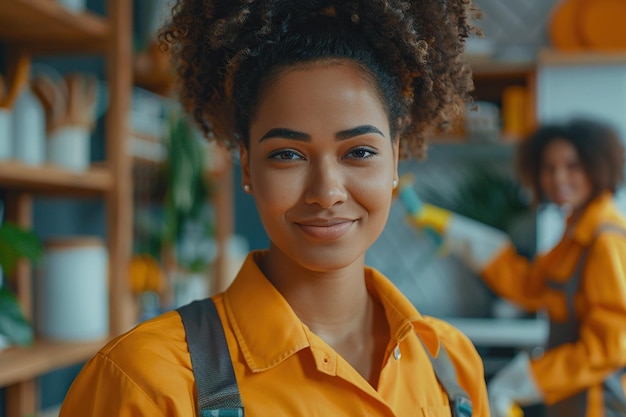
(599,304)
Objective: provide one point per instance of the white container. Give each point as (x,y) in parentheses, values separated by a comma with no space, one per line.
(69,147)
(29,129)
(72,290)
(189,287)
(74,5)
(6,138)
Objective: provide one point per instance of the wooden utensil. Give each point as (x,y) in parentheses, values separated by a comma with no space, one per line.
(74,103)
(22,70)
(82,97)
(53,98)
(91,99)
(3,89)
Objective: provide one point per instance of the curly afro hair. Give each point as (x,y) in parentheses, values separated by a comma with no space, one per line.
(597,143)
(226,52)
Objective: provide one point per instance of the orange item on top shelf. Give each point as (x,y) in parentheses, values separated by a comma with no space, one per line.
(588,25)
(601,24)
(563,27)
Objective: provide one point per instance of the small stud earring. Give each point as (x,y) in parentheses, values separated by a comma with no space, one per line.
(395,184)
(246,188)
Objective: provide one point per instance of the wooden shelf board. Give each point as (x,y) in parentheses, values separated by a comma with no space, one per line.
(47,26)
(50,179)
(552,57)
(21,364)
(160,82)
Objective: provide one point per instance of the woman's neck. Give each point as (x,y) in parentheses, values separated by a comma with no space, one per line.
(337,307)
(319,298)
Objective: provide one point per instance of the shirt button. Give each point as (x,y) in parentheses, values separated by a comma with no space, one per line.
(396,353)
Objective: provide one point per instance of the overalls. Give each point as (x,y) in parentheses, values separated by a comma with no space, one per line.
(567,332)
(218,391)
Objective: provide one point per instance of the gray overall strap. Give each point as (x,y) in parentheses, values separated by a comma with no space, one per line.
(568,332)
(460,403)
(218,392)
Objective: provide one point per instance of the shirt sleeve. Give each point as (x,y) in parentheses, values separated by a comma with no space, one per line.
(514,277)
(144,372)
(601,346)
(103,389)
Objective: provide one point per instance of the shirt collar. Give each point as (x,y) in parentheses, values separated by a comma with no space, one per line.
(599,210)
(268,331)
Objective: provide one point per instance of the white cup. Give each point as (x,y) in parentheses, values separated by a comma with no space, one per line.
(74,5)
(29,129)
(72,290)
(6,138)
(69,148)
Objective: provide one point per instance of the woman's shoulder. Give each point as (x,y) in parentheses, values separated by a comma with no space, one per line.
(162,338)
(460,348)
(458,345)
(467,362)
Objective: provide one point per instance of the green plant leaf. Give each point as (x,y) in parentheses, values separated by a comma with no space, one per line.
(187,188)
(13,324)
(16,243)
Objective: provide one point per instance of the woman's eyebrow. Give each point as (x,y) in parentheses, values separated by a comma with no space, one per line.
(357,131)
(285,133)
(282,132)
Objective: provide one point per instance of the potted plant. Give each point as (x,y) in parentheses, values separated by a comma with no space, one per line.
(185,220)
(15,244)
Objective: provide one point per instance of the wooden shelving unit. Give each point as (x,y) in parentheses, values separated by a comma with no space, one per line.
(491,79)
(53,180)
(21,364)
(46,26)
(32,27)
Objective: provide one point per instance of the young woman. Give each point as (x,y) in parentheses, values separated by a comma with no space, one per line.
(320,98)
(580,282)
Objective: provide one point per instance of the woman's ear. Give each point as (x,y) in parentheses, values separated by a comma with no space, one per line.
(245,165)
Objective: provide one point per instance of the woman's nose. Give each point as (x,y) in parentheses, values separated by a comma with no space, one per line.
(325,185)
(560,174)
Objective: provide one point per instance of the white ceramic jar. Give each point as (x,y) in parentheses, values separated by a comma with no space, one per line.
(69,147)
(72,290)
(6,134)
(29,129)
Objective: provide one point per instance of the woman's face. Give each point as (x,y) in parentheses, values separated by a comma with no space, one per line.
(562,176)
(320,165)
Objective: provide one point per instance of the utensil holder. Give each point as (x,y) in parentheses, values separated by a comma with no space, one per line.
(69,147)
(6,138)
(72,290)
(29,130)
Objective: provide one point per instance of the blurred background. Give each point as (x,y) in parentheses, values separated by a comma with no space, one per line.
(113,209)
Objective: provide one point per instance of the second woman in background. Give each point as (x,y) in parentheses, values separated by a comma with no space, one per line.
(580,282)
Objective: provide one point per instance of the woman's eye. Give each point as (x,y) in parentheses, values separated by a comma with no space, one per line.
(361,153)
(285,155)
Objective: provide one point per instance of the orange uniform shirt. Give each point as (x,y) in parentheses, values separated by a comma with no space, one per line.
(283,369)
(600,303)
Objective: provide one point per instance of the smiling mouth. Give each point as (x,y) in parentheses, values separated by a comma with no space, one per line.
(327,230)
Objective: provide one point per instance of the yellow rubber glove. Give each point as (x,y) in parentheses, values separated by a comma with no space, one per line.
(422,216)
(473,242)
(515,411)
(432,217)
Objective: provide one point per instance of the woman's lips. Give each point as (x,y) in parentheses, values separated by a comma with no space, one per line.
(326,230)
